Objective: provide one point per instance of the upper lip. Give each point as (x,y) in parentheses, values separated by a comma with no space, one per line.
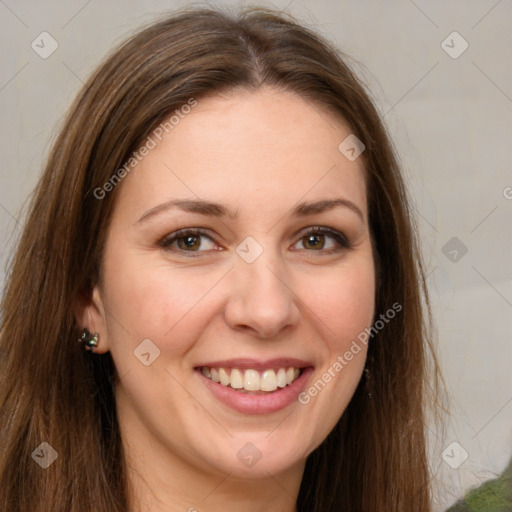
(255,364)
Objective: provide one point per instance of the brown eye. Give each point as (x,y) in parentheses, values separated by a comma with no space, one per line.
(324,239)
(188,240)
(314,241)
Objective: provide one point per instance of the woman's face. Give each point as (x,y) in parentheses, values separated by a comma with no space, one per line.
(248,296)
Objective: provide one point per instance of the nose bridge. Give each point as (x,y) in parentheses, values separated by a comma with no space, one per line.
(262,299)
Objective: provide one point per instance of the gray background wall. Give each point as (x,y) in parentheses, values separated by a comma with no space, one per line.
(449,112)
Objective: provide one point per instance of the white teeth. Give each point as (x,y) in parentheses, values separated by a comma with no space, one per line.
(252,380)
(237,379)
(214,375)
(224,377)
(281,378)
(268,381)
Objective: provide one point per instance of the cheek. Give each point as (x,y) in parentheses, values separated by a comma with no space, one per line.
(344,302)
(355,307)
(156,302)
(346,309)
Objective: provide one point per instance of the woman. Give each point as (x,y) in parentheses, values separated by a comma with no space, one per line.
(222,224)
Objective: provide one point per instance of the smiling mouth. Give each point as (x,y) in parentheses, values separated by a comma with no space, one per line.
(252,381)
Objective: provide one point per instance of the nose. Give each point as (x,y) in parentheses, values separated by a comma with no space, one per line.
(262,300)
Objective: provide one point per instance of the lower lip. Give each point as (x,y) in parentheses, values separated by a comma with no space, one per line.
(258,404)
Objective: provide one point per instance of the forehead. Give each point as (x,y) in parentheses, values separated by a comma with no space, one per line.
(253,150)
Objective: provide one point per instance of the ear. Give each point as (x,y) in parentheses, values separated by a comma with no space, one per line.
(90,314)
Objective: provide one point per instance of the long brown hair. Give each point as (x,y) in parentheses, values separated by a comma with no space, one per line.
(53,391)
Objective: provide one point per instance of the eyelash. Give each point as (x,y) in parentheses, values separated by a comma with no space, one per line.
(339,238)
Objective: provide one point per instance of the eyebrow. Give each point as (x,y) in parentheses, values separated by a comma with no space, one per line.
(219,210)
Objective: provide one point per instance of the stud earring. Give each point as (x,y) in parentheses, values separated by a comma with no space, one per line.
(89,341)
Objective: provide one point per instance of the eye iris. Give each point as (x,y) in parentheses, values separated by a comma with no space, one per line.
(189,242)
(311,239)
